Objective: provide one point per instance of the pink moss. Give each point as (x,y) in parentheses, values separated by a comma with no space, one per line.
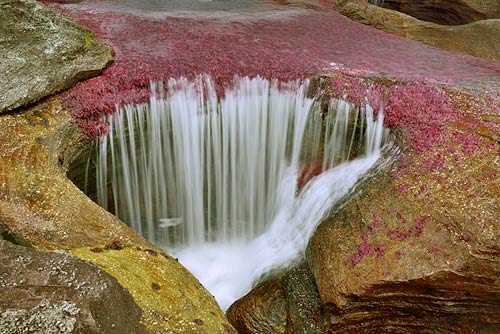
(414,231)
(470,143)
(374,224)
(366,248)
(433,249)
(403,188)
(398,255)
(283,46)
(308,172)
(420,224)
(398,234)
(423,111)
(434,163)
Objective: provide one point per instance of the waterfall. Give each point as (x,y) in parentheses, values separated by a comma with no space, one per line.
(223,181)
(379,3)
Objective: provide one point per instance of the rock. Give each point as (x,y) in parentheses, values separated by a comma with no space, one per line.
(43,52)
(288,304)
(262,311)
(305,309)
(480,38)
(49,292)
(447,12)
(39,206)
(419,250)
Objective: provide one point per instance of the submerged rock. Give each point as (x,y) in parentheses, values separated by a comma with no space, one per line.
(49,292)
(43,52)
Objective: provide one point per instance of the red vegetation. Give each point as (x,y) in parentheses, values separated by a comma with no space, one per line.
(284,45)
(366,248)
(423,111)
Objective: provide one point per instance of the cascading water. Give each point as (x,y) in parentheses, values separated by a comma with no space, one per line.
(223,184)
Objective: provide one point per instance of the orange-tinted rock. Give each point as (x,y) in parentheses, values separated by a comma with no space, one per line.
(39,206)
(287,304)
(419,250)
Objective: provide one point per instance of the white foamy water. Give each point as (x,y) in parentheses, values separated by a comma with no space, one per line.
(220,183)
(229,269)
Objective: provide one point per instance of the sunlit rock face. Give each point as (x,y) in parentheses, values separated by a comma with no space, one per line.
(455,12)
(40,207)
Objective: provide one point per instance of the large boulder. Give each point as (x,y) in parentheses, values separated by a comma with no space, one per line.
(479,38)
(41,208)
(43,52)
(49,292)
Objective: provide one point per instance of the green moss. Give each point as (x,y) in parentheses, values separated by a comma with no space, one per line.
(88,39)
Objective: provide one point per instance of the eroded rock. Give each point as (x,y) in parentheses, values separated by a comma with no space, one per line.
(418,251)
(54,292)
(262,311)
(43,52)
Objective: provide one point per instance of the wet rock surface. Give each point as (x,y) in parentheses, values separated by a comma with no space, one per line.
(261,311)
(54,292)
(42,52)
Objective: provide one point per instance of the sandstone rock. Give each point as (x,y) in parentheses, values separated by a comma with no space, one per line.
(447,12)
(480,38)
(49,292)
(43,52)
(39,206)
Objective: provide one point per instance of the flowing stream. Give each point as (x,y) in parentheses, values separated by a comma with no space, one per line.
(233,186)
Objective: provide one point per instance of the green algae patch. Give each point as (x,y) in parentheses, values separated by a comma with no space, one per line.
(170,297)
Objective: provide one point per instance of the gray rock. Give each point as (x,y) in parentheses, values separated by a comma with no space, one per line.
(43,52)
(54,292)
